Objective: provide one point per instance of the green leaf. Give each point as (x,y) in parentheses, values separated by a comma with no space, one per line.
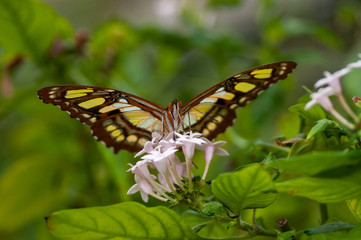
(128,220)
(30,27)
(251,187)
(313,114)
(335,185)
(316,162)
(355,207)
(324,124)
(286,235)
(329,227)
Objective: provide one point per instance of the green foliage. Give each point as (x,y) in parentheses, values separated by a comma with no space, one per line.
(355,207)
(337,233)
(30,28)
(317,162)
(326,126)
(330,227)
(123,221)
(251,187)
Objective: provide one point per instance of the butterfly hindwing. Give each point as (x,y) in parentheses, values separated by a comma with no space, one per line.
(212,111)
(119,119)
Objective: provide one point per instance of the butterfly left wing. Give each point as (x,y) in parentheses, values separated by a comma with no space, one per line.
(212,111)
(119,119)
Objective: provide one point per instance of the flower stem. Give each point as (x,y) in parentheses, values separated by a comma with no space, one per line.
(162,198)
(205,171)
(176,178)
(341,119)
(189,174)
(347,107)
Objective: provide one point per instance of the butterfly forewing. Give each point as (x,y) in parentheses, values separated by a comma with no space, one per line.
(124,121)
(212,111)
(119,119)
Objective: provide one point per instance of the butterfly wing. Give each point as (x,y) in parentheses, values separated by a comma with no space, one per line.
(212,111)
(121,120)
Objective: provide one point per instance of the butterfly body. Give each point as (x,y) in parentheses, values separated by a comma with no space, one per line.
(125,121)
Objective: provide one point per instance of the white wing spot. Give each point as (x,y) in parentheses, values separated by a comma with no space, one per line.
(219,90)
(120,105)
(131,109)
(122,100)
(209,100)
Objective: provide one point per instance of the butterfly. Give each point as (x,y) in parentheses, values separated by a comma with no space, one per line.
(124,121)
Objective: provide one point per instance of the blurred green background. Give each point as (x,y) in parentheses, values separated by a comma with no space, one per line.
(160,50)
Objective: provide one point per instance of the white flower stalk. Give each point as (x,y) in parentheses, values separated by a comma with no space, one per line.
(160,155)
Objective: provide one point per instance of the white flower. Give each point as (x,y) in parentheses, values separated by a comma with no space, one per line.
(333,80)
(148,147)
(142,186)
(332,86)
(156,137)
(160,154)
(210,149)
(143,180)
(321,97)
(188,141)
(146,184)
(160,158)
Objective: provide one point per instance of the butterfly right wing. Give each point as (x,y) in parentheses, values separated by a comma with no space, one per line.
(121,120)
(212,111)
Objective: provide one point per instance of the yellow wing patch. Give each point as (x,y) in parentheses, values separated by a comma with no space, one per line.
(120,138)
(244,87)
(116,133)
(262,73)
(92,103)
(75,93)
(132,138)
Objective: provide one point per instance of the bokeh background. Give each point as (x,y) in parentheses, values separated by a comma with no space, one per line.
(160,50)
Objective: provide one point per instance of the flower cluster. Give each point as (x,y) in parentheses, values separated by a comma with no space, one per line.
(331,85)
(173,175)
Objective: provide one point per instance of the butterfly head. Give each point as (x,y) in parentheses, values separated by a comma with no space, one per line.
(175,104)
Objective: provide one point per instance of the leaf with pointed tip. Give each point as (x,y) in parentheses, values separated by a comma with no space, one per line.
(334,185)
(316,162)
(127,220)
